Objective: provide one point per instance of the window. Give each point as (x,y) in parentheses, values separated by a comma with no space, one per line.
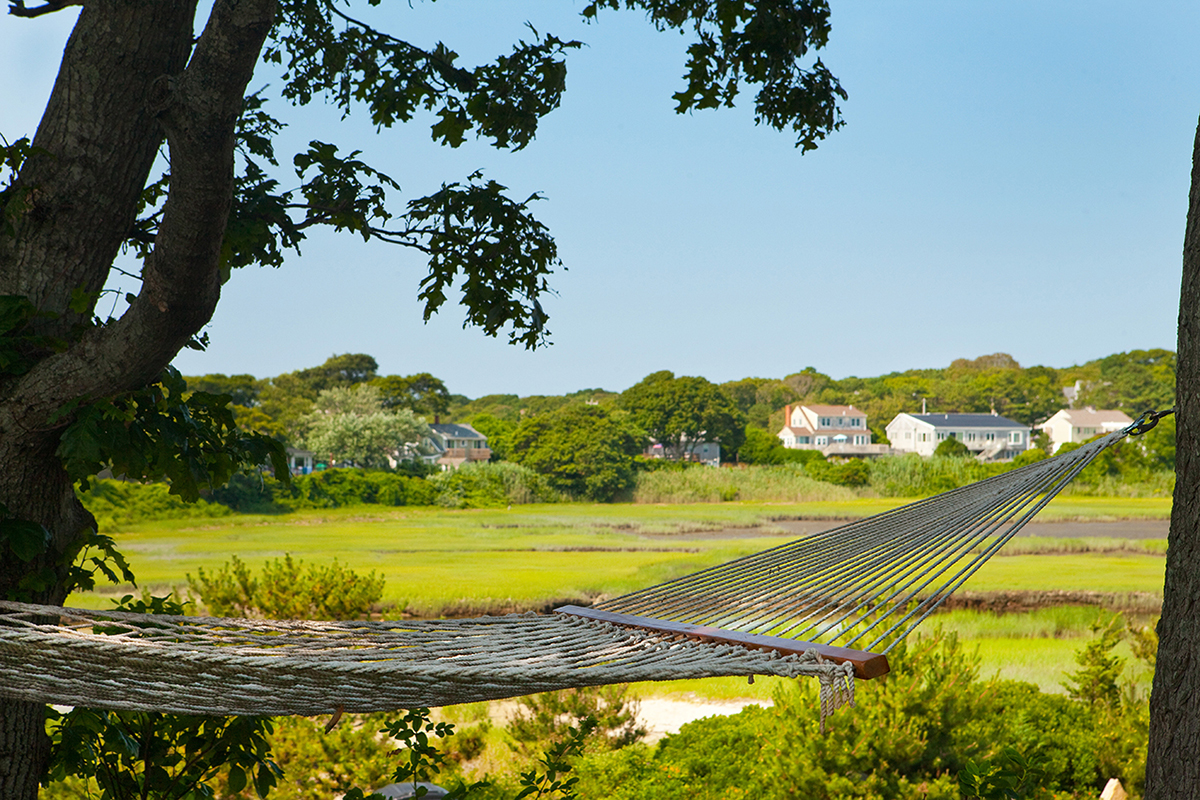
(822,440)
(970,437)
(991,437)
(1015,437)
(941,436)
(826,422)
(908,434)
(804,439)
(924,437)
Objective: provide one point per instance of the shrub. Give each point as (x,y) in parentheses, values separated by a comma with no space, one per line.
(480,485)
(287,591)
(335,488)
(115,503)
(547,715)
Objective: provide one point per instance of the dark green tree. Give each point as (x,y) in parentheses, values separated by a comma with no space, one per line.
(79,392)
(680,413)
(581,449)
(242,389)
(344,370)
(421,393)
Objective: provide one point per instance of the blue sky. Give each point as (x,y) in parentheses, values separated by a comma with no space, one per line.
(1011,177)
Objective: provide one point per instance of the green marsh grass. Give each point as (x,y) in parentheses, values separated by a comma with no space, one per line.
(476,560)
(786,483)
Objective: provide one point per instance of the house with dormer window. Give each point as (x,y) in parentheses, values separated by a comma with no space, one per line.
(834,430)
(451,445)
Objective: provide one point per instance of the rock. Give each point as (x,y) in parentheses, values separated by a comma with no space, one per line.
(1113,791)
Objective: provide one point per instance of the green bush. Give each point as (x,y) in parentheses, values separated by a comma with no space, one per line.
(336,488)
(116,503)
(853,472)
(546,716)
(485,485)
(286,590)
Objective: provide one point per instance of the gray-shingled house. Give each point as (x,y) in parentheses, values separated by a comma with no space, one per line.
(450,445)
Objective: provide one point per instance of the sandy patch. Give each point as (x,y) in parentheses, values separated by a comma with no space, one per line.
(661,716)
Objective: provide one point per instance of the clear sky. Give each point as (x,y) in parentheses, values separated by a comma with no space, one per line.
(1012,176)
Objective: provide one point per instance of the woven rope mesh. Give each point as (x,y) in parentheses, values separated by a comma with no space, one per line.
(867,584)
(862,585)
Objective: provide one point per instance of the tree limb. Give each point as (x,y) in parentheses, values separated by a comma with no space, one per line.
(17,7)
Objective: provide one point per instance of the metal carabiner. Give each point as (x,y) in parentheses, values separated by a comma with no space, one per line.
(1147,421)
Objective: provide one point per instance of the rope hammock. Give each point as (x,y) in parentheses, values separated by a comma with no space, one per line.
(819,606)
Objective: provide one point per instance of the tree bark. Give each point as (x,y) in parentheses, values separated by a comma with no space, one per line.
(1173,760)
(126,82)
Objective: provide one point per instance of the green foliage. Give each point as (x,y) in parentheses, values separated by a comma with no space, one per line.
(910,475)
(484,485)
(852,472)
(951,448)
(1008,776)
(1136,381)
(336,488)
(129,755)
(780,34)
(1030,456)
(789,483)
(322,764)
(421,393)
(118,503)
(555,763)
(156,434)
(498,432)
(762,447)
(581,450)
(350,425)
(420,759)
(680,413)
(547,716)
(758,398)
(1097,681)
(243,390)
(285,590)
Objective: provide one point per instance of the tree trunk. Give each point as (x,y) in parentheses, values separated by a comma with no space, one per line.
(1173,761)
(130,76)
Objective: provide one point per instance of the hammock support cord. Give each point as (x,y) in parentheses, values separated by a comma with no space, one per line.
(867,584)
(794,610)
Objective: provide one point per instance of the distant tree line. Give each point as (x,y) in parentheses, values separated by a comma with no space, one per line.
(589,443)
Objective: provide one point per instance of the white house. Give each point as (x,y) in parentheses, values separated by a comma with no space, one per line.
(707,453)
(988,436)
(450,446)
(834,430)
(1081,424)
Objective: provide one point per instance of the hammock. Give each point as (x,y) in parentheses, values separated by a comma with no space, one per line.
(819,606)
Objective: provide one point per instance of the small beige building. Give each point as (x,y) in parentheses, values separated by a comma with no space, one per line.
(1081,424)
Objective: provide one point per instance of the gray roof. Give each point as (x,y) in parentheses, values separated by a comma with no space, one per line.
(456,431)
(968,421)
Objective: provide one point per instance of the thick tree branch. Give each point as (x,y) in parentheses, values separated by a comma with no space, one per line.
(181,285)
(17,7)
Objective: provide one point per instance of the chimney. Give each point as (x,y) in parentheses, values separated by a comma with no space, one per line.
(787,416)
(922,405)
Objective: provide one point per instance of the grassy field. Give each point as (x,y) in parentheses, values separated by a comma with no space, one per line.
(439,561)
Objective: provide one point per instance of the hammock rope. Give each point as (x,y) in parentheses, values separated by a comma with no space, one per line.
(798,609)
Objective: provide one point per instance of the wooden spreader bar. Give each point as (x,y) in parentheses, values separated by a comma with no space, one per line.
(866,665)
